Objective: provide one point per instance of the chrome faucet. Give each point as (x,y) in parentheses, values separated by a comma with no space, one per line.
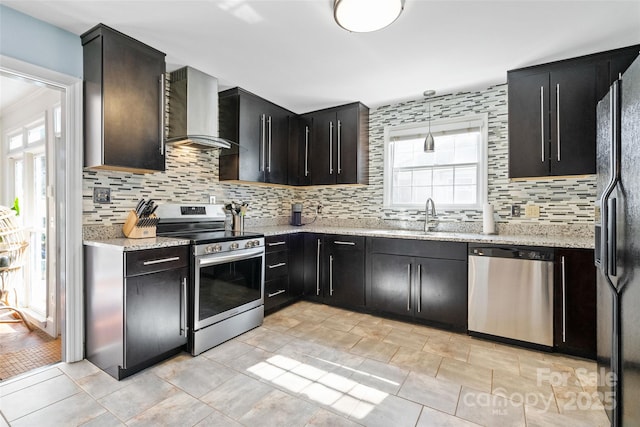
(430,207)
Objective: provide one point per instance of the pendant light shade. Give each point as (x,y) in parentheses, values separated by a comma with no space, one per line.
(429,146)
(429,143)
(363,16)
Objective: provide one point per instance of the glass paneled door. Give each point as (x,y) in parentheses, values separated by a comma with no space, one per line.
(30,132)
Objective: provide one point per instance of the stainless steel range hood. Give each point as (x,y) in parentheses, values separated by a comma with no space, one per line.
(193,110)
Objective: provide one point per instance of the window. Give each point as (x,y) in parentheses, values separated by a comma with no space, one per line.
(454,175)
(15,141)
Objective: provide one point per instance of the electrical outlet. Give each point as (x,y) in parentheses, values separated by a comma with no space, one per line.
(212,200)
(319,208)
(101,195)
(515,210)
(532,211)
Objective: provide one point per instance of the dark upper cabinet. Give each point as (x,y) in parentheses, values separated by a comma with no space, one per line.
(123,102)
(262,130)
(575,302)
(422,280)
(339,146)
(552,118)
(299,150)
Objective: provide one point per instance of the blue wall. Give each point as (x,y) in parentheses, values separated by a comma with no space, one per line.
(37,42)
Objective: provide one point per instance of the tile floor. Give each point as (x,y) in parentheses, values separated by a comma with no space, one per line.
(22,350)
(315,365)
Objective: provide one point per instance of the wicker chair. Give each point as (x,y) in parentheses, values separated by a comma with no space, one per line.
(13,245)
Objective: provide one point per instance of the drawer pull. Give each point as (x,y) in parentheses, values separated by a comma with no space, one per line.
(160,261)
(338,242)
(281,291)
(280,264)
(277,243)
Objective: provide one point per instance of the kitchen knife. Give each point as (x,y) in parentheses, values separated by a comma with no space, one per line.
(139,207)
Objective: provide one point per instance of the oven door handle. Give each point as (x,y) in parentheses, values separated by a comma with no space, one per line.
(219,259)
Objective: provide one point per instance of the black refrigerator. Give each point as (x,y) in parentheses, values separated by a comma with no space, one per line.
(617,248)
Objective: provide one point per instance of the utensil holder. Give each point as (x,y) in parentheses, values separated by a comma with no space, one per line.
(238,223)
(140,228)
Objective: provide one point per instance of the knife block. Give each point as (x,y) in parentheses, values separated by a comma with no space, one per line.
(133,227)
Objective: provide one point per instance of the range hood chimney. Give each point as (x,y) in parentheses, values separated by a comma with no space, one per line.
(193,110)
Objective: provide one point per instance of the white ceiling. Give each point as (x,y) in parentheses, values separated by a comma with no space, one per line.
(13,90)
(293,53)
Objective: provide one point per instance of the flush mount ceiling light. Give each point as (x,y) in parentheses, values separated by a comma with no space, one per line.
(429,143)
(363,16)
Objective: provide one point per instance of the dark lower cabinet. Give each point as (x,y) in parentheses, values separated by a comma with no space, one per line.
(153,317)
(575,302)
(283,272)
(343,278)
(441,285)
(135,306)
(390,284)
(334,269)
(421,280)
(312,269)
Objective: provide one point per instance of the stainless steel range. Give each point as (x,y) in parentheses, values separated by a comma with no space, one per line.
(226,291)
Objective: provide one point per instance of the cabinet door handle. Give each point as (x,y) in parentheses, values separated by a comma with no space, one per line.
(330,148)
(330,275)
(318,269)
(162,111)
(277,243)
(280,264)
(339,242)
(564,301)
(306,151)
(409,287)
(339,147)
(263,140)
(183,308)
(558,116)
(278,292)
(160,261)
(542,122)
(419,288)
(269,134)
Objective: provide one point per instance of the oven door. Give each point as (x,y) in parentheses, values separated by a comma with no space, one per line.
(227,284)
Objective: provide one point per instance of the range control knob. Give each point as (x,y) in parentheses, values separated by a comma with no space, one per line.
(250,244)
(213,248)
(234,246)
(256,243)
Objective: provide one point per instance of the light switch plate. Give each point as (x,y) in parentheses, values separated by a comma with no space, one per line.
(532,211)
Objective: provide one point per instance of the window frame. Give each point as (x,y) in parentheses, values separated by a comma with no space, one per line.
(480,121)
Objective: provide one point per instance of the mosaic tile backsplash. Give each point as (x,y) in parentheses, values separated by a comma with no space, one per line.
(192,176)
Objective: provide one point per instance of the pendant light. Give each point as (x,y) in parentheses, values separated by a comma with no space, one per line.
(429,144)
(363,16)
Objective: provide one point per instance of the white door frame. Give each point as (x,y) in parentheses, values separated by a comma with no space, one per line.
(68,202)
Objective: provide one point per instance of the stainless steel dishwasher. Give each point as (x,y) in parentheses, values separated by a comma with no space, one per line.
(511,293)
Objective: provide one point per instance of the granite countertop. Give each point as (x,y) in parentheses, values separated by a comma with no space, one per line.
(521,240)
(125,244)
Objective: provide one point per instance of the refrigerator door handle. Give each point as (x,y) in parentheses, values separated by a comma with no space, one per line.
(615,178)
(612,241)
